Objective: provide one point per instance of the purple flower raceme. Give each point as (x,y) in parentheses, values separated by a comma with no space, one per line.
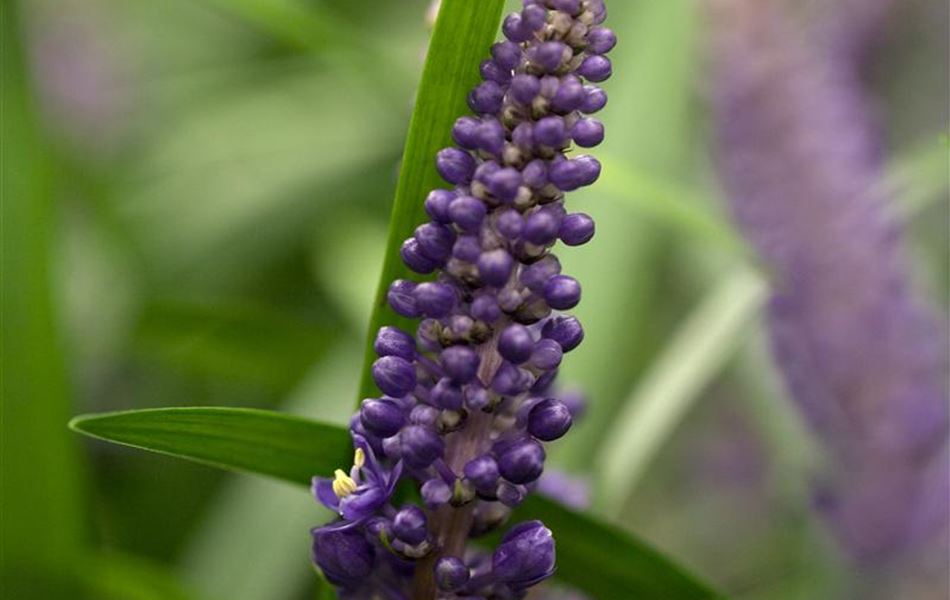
(468,400)
(862,358)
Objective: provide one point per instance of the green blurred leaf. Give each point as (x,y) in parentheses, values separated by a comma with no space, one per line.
(697,352)
(607,563)
(255,441)
(115,576)
(42,524)
(239,341)
(463,33)
(668,203)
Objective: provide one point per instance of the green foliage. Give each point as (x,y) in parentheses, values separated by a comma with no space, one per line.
(258,441)
(597,558)
(463,32)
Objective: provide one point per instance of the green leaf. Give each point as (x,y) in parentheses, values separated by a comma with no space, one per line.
(246,342)
(607,563)
(463,34)
(42,524)
(594,557)
(697,352)
(256,441)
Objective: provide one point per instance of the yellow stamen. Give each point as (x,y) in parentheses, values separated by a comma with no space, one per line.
(343,484)
(359,458)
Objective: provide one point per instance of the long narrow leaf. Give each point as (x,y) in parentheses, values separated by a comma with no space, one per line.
(697,352)
(463,33)
(258,441)
(595,557)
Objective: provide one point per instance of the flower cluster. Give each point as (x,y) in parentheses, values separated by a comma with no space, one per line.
(467,401)
(863,358)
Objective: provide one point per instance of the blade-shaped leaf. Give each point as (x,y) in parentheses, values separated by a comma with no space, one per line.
(608,563)
(594,556)
(258,441)
(463,33)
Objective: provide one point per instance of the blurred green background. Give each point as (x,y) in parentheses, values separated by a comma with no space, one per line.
(199,193)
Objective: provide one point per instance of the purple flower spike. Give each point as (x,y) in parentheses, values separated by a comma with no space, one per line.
(470,400)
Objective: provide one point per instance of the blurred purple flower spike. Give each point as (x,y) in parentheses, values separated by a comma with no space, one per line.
(863,358)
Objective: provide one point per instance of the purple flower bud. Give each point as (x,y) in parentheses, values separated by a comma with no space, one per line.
(541,227)
(486,98)
(490,137)
(392,341)
(594,99)
(562,292)
(514,28)
(569,96)
(435,493)
(412,254)
(485,308)
(587,133)
(423,414)
(570,174)
(435,240)
(535,174)
(482,471)
(467,212)
(571,7)
(446,394)
(550,131)
(410,525)
(454,165)
(595,68)
(600,40)
(460,363)
(510,223)
(490,71)
(394,375)
(524,88)
(381,417)
(547,355)
(420,446)
(506,54)
(589,168)
(566,331)
(437,205)
(525,555)
(520,460)
(515,343)
(434,299)
(509,380)
(345,557)
(451,573)
(534,17)
(504,183)
(463,132)
(511,494)
(536,275)
(523,135)
(549,420)
(467,248)
(494,267)
(476,397)
(549,55)
(576,229)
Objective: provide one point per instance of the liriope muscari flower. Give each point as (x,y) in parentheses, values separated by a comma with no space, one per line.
(862,357)
(467,401)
